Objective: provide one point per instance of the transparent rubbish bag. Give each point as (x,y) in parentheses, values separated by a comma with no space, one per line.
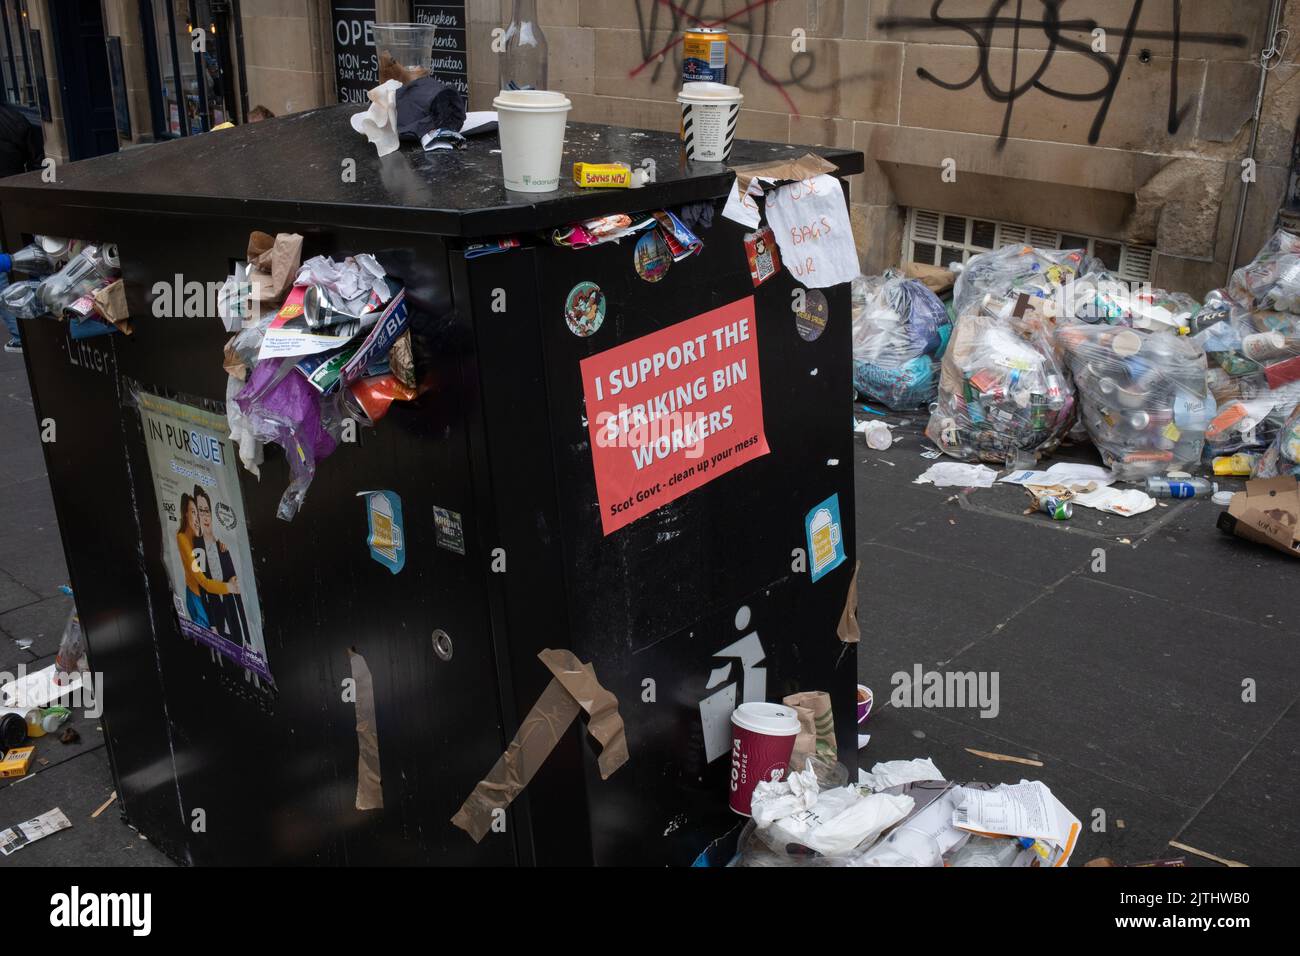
(900,329)
(1003,389)
(1012,270)
(1143,397)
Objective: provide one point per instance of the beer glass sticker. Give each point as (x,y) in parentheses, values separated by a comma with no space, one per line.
(584,309)
(386,541)
(825,538)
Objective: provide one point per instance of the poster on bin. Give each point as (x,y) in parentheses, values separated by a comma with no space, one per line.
(204,532)
(673,410)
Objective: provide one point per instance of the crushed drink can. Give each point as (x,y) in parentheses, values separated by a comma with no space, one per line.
(704,55)
(1058,509)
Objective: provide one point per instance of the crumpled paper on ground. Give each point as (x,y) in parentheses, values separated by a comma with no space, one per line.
(945,474)
(379,123)
(892,773)
(832,822)
(573,687)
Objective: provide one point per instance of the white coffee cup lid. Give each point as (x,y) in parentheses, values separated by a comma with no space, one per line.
(537,101)
(774,720)
(706,91)
(1126,343)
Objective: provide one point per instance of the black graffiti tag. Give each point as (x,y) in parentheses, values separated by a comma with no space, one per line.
(1054,28)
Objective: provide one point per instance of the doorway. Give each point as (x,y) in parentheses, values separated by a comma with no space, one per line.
(84,85)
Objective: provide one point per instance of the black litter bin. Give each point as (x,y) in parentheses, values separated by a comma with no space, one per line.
(686,595)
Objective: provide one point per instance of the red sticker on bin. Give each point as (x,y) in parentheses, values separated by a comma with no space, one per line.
(673,410)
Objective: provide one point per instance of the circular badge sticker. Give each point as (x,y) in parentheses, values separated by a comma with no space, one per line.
(651,256)
(811,319)
(584,309)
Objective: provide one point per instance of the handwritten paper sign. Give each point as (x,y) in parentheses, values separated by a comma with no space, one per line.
(673,410)
(811,222)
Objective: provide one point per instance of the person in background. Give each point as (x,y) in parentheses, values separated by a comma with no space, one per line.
(259,113)
(21,151)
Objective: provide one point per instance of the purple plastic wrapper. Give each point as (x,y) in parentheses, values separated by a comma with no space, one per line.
(287,410)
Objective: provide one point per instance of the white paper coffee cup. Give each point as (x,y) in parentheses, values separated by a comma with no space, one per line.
(531,125)
(710,112)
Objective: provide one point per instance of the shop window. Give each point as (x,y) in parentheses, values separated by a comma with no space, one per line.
(191,89)
(15,56)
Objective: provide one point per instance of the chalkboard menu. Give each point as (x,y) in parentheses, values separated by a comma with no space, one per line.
(450,42)
(356,64)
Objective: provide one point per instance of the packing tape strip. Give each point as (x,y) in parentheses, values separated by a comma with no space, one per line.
(370,790)
(573,688)
(848,629)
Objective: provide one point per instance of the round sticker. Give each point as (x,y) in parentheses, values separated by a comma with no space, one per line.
(584,309)
(811,319)
(652,257)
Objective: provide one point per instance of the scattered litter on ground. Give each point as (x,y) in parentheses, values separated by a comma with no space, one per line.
(112,797)
(1004,758)
(950,474)
(1203,855)
(29,831)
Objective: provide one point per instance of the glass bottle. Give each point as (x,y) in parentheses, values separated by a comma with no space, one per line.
(523,56)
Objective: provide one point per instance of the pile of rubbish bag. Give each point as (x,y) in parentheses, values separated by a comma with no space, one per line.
(75,281)
(1251,334)
(900,332)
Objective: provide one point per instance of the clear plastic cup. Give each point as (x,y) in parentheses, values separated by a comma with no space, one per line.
(410,44)
(531,124)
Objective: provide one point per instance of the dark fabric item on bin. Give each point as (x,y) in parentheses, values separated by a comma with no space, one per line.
(696,216)
(428,104)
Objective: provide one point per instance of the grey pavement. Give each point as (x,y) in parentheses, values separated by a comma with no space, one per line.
(74,777)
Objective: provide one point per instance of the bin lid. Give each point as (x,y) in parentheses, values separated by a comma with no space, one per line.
(289,169)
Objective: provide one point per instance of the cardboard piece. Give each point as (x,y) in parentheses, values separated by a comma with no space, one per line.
(937,279)
(1267,512)
(110,302)
(573,687)
(806,166)
(848,629)
(370,791)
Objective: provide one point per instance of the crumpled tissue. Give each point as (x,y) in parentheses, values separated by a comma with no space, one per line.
(379,122)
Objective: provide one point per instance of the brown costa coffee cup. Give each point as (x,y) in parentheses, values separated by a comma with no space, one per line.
(762,739)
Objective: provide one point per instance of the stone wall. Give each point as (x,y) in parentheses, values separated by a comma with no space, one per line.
(1087,143)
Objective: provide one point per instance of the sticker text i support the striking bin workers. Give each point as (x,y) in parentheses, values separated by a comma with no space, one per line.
(672,410)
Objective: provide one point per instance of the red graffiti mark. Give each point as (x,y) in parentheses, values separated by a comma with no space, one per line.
(762,72)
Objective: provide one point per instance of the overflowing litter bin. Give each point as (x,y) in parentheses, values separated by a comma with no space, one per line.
(478,564)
